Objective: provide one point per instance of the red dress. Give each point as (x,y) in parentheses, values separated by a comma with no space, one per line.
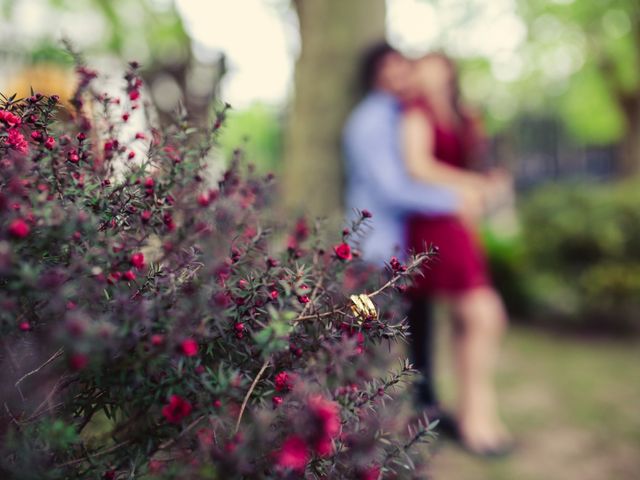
(460,264)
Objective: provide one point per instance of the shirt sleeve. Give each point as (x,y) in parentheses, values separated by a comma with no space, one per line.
(372,148)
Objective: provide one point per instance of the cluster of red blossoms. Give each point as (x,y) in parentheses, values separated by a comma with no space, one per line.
(14,138)
(297,449)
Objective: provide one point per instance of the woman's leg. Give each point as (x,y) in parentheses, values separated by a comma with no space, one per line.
(479,324)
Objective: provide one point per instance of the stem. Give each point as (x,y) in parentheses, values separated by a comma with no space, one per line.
(97,454)
(53,357)
(189,427)
(249,392)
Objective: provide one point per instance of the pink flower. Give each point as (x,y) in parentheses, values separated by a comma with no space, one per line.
(327,416)
(371,473)
(73,156)
(9,119)
(293,455)
(16,140)
(276,401)
(189,347)
(19,228)
(137,260)
(343,251)
(283,382)
(49,143)
(203,199)
(129,275)
(366,214)
(177,409)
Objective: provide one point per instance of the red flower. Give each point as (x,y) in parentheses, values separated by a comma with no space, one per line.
(177,409)
(366,214)
(9,119)
(72,156)
(78,361)
(301,230)
(157,339)
(203,199)
(137,260)
(283,382)
(145,215)
(327,416)
(396,266)
(134,95)
(129,275)
(16,140)
(293,455)
(276,401)
(49,143)
(189,347)
(343,251)
(273,294)
(371,473)
(24,326)
(303,299)
(19,228)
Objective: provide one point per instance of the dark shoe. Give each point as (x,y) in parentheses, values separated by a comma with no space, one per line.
(447,426)
(494,453)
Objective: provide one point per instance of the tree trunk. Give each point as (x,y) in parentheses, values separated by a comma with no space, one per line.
(334,33)
(630,143)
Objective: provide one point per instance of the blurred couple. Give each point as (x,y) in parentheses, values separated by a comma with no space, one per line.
(411,149)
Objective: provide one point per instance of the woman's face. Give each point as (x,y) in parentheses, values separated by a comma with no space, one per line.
(434,75)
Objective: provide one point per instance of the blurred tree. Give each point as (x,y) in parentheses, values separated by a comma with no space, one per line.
(333,34)
(602,99)
(149,31)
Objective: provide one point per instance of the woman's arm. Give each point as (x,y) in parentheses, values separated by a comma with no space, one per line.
(418,142)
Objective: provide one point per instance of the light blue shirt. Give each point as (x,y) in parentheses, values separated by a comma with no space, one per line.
(377,179)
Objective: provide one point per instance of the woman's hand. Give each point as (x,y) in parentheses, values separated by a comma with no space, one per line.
(498,189)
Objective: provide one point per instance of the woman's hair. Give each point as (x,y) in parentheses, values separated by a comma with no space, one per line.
(456,96)
(370,62)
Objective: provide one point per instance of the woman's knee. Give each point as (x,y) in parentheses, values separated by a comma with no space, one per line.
(482,309)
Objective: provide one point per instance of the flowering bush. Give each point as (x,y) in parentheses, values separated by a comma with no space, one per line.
(155,326)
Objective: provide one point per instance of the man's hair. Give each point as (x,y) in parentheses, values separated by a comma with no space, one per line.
(370,63)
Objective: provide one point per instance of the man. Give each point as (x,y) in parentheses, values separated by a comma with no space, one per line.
(377,181)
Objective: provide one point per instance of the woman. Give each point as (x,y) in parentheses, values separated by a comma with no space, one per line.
(439,140)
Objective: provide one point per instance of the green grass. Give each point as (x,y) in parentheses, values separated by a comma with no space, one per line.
(572,404)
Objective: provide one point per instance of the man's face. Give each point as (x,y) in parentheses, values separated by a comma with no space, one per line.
(394,74)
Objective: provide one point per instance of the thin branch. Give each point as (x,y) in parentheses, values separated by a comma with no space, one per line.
(249,392)
(189,427)
(36,370)
(97,454)
(416,263)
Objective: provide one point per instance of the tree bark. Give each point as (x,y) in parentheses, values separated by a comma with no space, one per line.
(333,33)
(630,143)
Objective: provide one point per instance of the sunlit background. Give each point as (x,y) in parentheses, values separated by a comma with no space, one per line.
(558,85)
